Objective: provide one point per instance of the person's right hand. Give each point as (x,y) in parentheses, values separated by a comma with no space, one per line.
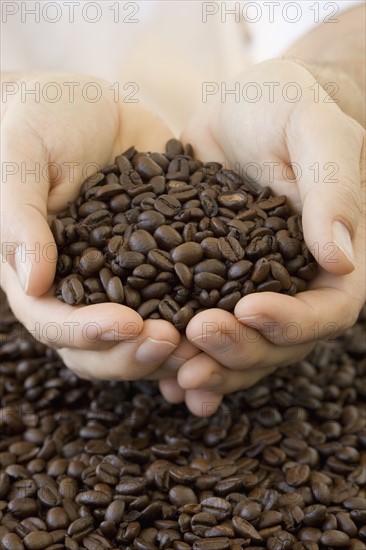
(57,141)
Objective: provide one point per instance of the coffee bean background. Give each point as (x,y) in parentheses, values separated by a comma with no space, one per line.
(107,465)
(169,236)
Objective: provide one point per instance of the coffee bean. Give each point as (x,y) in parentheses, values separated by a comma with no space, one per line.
(211,266)
(160,259)
(179,495)
(167,205)
(147,167)
(182,317)
(208,281)
(167,237)
(187,253)
(229,301)
(168,308)
(234,201)
(244,529)
(334,538)
(72,291)
(141,241)
(11,541)
(230,249)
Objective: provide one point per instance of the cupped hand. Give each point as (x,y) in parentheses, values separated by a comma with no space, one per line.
(48,149)
(301,144)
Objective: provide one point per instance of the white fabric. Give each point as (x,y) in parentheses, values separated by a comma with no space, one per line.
(171,49)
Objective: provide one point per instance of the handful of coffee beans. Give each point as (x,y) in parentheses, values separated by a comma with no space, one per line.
(169,236)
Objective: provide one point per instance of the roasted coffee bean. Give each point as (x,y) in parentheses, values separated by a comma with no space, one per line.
(182,317)
(147,167)
(184,274)
(167,205)
(187,253)
(166,209)
(160,259)
(167,237)
(38,540)
(72,291)
(141,241)
(234,201)
(230,249)
(208,281)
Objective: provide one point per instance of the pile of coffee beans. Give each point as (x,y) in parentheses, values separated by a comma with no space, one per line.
(169,236)
(107,465)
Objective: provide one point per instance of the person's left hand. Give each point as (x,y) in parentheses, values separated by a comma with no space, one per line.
(267,330)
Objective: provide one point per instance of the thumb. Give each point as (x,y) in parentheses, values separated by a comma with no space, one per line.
(27,243)
(327,147)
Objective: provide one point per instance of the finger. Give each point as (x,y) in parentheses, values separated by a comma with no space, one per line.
(308,317)
(327,147)
(186,350)
(27,242)
(202,403)
(198,133)
(131,360)
(60,325)
(171,391)
(234,344)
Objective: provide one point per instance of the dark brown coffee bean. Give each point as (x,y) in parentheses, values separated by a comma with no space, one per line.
(129,259)
(91,261)
(239,269)
(208,281)
(168,308)
(334,538)
(147,167)
(280,273)
(148,307)
(233,200)
(182,317)
(229,301)
(174,147)
(115,291)
(211,266)
(209,298)
(167,237)
(38,540)
(269,286)
(150,220)
(244,529)
(180,495)
(184,274)
(141,241)
(155,290)
(49,496)
(160,259)
(72,291)
(187,253)
(167,205)
(23,507)
(260,271)
(11,541)
(209,204)
(230,249)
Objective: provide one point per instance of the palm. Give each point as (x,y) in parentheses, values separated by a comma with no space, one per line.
(69,141)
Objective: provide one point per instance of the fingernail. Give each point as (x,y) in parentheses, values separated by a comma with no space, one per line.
(342,238)
(153,351)
(23,269)
(218,342)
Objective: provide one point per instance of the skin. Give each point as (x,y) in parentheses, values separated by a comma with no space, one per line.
(240,349)
(202,366)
